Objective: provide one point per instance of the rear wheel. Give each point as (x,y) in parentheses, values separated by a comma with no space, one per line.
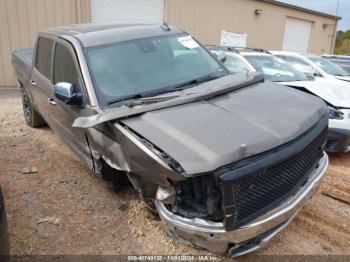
(32,117)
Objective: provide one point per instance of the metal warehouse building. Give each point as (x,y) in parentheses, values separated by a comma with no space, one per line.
(268,24)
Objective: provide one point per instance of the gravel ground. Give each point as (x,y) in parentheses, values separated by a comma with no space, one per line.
(65,209)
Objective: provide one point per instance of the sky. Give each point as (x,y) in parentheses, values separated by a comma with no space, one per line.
(327,6)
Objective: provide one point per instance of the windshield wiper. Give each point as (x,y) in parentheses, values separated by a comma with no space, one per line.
(151,96)
(172,88)
(197,81)
(122,98)
(142,98)
(157,99)
(150,100)
(184,85)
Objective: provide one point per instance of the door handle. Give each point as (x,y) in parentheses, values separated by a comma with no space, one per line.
(32,82)
(52,101)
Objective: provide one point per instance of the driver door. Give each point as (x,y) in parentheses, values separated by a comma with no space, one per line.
(66,69)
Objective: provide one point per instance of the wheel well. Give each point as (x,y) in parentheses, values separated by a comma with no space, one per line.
(116,177)
(120,179)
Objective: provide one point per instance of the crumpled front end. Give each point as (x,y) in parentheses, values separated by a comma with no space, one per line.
(214,237)
(238,208)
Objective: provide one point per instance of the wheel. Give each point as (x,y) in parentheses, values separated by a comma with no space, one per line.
(32,117)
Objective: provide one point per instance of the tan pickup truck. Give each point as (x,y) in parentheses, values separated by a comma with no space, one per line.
(227,160)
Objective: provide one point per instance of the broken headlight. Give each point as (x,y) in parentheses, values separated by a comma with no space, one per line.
(334,113)
(198,197)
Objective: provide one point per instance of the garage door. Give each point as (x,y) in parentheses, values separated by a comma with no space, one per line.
(297,35)
(127,11)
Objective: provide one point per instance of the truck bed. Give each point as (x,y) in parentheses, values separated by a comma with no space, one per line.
(22,61)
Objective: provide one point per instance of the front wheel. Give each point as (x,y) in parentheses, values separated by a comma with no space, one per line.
(32,117)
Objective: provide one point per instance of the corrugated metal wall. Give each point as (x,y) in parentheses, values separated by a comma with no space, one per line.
(127,11)
(20,20)
(206,18)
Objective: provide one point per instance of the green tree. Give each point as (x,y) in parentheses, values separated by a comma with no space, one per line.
(344,48)
(339,37)
(342,43)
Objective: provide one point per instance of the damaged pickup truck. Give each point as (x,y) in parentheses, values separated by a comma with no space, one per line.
(227,160)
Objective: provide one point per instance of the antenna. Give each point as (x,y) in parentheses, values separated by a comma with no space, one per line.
(337,10)
(335,28)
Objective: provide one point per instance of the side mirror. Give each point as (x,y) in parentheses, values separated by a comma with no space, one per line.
(65,92)
(310,76)
(309,71)
(221,56)
(317,74)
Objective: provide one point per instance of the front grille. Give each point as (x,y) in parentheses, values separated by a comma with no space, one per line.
(263,190)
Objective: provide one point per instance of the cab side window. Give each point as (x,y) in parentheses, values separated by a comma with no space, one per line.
(64,69)
(43,56)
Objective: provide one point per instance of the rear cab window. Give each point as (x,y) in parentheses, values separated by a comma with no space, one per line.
(43,56)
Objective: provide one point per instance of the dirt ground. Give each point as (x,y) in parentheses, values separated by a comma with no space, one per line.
(84,216)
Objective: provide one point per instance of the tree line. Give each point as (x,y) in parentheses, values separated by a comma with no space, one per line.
(342,43)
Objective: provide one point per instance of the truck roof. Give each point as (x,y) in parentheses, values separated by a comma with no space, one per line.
(94,35)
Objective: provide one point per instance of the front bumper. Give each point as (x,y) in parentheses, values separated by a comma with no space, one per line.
(214,237)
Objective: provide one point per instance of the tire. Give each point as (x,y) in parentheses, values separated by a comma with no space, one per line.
(32,117)
(117,179)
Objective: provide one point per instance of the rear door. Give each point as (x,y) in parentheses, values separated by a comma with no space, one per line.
(41,77)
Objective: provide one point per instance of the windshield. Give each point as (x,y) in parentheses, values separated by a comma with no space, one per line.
(275,69)
(147,65)
(329,67)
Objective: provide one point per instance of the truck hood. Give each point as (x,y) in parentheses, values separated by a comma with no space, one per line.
(335,93)
(208,134)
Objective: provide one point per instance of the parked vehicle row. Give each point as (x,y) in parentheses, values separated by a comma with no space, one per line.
(315,65)
(283,69)
(343,61)
(226,159)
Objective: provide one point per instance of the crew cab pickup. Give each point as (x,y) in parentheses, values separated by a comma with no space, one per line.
(227,160)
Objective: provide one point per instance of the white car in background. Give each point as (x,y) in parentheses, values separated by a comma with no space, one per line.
(340,60)
(335,93)
(315,65)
